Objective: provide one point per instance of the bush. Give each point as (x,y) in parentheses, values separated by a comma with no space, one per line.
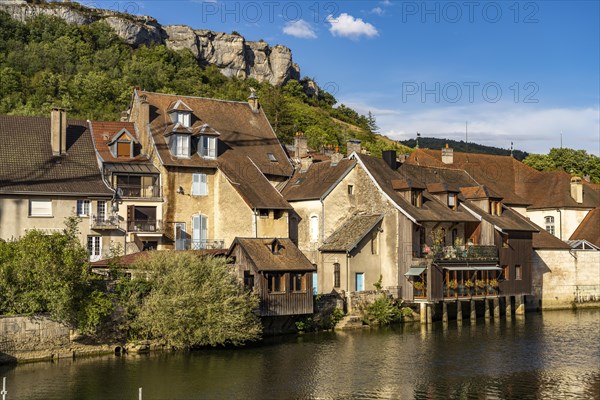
(383,311)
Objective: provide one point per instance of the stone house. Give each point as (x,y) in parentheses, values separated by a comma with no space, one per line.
(48,172)
(219,162)
(136,208)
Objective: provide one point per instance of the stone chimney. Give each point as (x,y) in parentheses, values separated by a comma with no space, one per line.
(447,155)
(300,145)
(253,100)
(58,131)
(305,163)
(353,145)
(389,156)
(144,115)
(336,158)
(577,189)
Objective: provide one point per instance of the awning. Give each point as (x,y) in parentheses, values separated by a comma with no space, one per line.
(473,268)
(131,168)
(415,271)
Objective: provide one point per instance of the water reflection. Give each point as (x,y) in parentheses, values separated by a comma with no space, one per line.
(549,356)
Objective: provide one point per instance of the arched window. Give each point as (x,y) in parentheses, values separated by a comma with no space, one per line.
(314,228)
(550,224)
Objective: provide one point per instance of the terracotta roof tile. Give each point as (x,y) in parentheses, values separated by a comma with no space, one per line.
(28,165)
(288,258)
(347,236)
(104,131)
(589,228)
(316,181)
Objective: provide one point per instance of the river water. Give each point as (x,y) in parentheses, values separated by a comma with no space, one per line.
(554,355)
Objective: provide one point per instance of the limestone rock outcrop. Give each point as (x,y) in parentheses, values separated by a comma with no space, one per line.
(231,53)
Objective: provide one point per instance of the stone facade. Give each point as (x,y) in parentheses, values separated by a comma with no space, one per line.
(563,279)
(566,220)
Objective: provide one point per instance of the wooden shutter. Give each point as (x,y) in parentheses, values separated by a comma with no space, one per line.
(203,185)
(196,184)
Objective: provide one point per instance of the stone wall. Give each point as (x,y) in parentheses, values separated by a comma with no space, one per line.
(21,335)
(563,279)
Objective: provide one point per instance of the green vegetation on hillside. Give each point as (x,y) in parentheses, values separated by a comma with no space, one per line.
(575,162)
(88,70)
(462,146)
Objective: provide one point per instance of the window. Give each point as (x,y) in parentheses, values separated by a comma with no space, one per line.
(83,208)
(298,281)
(336,275)
(275,282)
(506,272)
(40,208)
(350,190)
(271,157)
(199,232)
(314,228)
(101,210)
(181,236)
(180,145)
(123,149)
(518,273)
(248,280)
(504,239)
(416,198)
(94,246)
(263,213)
(208,147)
(495,207)
(199,185)
(452,200)
(550,225)
(184,119)
(277,214)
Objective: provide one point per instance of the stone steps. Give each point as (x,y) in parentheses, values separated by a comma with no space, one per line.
(349,322)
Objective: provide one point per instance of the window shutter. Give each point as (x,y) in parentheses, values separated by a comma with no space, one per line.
(196,228)
(203,185)
(196,185)
(186,146)
(212,147)
(203,222)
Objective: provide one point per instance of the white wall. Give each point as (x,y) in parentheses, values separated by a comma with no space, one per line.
(569,219)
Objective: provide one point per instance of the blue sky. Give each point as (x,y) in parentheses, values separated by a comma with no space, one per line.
(516,71)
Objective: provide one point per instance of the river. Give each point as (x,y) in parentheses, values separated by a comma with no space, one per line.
(554,355)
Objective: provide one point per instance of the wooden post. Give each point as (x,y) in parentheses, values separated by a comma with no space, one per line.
(473,311)
(444,312)
(429,313)
(459,311)
(423,312)
(496,308)
(486,313)
(508,307)
(520,305)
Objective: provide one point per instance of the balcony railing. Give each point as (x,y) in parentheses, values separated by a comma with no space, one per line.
(101,223)
(206,244)
(135,191)
(467,253)
(468,288)
(148,226)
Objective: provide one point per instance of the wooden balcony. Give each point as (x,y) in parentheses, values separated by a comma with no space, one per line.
(202,244)
(473,253)
(139,192)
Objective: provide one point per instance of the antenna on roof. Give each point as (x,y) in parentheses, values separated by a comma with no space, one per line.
(418,136)
(511,149)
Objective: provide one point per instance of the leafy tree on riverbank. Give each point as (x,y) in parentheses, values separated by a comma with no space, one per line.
(189,301)
(42,273)
(575,162)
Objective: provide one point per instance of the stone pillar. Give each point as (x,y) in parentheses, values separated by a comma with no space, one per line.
(444,312)
(520,305)
(508,307)
(423,312)
(496,308)
(429,313)
(486,313)
(459,311)
(473,311)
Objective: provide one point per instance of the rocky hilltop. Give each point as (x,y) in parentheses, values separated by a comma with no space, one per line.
(231,53)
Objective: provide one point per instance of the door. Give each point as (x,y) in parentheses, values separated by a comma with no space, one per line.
(199,232)
(180,236)
(94,244)
(360,281)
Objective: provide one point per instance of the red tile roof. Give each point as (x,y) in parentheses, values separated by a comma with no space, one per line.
(589,228)
(317,180)
(104,131)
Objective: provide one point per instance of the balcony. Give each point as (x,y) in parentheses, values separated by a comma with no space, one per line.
(145,226)
(203,244)
(471,286)
(106,223)
(139,192)
(458,254)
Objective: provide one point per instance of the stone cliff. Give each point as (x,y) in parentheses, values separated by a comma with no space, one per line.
(231,53)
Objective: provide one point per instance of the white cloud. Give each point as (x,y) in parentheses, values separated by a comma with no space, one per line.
(377,11)
(347,26)
(300,29)
(531,130)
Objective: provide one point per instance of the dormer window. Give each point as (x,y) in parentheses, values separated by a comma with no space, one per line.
(207,147)
(183,118)
(124,149)
(271,157)
(180,113)
(452,200)
(495,207)
(180,145)
(122,144)
(416,198)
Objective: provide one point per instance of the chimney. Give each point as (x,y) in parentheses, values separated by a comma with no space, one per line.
(253,100)
(577,189)
(305,164)
(300,145)
(353,145)
(144,115)
(58,131)
(336,158)
(389,156)
(447,155)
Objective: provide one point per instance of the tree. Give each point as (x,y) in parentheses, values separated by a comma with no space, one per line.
(574,162)
(371,123)
(194,302)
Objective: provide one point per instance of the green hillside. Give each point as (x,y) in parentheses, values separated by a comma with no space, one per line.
(88,70)
(462,146)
